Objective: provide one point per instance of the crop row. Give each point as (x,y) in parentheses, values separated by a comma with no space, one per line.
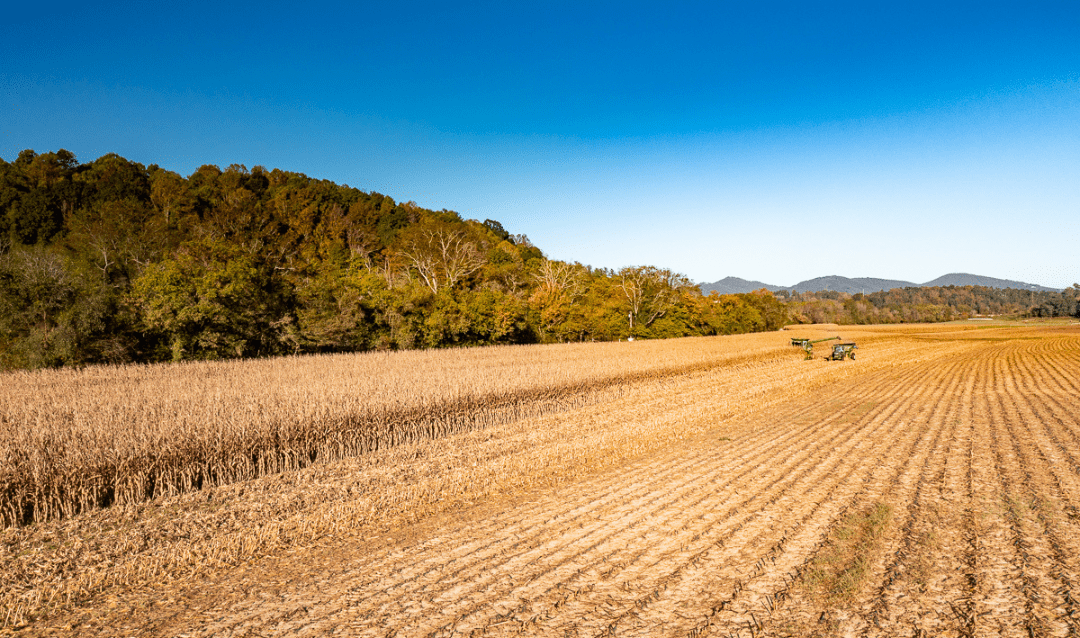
(71,441)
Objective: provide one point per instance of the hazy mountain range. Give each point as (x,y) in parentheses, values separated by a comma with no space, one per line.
(732,285)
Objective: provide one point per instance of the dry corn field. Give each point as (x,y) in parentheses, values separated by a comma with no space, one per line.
(698,487)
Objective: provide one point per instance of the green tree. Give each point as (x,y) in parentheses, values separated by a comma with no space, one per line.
(497,229)
(51,314)
(557,287)
(111,177)
(169,196)
(36,289)
(212,300)
(773,311)
(650,293)
(343,308)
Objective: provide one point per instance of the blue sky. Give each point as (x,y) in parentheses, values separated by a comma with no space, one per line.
(776,141)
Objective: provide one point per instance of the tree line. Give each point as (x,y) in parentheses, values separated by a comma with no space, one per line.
(111,261)
(928,304)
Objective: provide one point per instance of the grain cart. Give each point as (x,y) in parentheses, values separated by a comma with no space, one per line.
(808,345)
(841,351)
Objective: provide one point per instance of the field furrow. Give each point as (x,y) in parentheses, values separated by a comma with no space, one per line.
(930,488)
(887,605)
(899,496)
(1041,601)
(1039,498)
(1001,608)
(617,548)
(578,553)
(885,466)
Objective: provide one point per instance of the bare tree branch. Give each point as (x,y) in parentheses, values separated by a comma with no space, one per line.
(442,257)
(651,292)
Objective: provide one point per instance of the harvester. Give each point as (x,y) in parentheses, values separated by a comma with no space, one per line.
(808,345)
(841,351)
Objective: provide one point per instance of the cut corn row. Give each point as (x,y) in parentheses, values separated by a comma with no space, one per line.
(98,552)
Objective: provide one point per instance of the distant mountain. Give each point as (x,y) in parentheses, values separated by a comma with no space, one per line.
(964,279)
(850,286)
(733,285)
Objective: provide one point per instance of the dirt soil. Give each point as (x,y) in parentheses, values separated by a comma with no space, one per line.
(975,457)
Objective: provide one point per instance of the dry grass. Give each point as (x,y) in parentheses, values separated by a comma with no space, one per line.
(838,571)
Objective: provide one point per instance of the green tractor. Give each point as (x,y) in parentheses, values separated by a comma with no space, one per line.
(842,351)
(808,345)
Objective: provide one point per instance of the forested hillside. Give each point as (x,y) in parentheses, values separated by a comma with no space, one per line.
(111,261)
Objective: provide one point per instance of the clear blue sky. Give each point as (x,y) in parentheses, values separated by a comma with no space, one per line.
(776,141)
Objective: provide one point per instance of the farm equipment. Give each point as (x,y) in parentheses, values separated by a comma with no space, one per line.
(808,345)
(841,351)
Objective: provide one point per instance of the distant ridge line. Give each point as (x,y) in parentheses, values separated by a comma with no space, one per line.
(735,285)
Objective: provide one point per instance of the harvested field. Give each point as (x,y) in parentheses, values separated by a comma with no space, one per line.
(931,487)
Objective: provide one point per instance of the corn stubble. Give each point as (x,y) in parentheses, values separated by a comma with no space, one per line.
(77,440)
(138,474)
